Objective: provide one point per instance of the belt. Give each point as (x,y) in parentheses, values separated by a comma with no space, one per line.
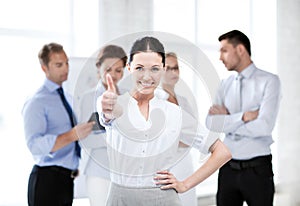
(58,169)
(255,162)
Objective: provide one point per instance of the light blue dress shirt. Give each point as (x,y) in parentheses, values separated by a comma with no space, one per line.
(45,117)
(260,90)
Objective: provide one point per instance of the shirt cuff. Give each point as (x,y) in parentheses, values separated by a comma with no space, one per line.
(211,138)
(103,120)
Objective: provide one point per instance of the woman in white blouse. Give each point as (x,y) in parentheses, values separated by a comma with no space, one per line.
(143,134)
(111,59)
(184,167)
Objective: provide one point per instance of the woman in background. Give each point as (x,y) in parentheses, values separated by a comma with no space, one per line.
(184,168)
(110,60)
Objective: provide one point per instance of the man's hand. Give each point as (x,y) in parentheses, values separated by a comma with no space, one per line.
(217,109)
(82,130)
(250,115)
(78,132)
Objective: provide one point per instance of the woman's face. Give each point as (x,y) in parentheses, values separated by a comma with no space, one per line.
(171,75)
(146,69)
(112,66)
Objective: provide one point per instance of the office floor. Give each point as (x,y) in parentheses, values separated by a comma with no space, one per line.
(279,200)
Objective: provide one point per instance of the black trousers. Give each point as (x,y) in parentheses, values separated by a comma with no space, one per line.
(50,186)
(249,180)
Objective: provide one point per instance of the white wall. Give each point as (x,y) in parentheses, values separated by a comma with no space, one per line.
(289,71)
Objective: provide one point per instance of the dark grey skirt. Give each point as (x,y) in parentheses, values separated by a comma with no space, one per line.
(149,196)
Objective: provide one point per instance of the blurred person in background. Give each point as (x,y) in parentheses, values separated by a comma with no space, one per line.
(184,167)
(110,60)
(245,109)
(52,133)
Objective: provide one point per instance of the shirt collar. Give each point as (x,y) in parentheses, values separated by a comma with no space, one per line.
(248,71)
(50,85)
(99,89)
(151,101)
(160,93)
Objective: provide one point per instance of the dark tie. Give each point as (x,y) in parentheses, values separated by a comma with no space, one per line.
(71,116)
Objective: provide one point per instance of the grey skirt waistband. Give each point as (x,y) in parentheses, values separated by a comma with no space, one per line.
(132,187)
(120,195)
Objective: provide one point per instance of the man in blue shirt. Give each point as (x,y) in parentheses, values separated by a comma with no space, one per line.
(245,109)
(52,134)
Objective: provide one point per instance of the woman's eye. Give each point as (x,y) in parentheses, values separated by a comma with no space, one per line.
(139,68)
(155,69)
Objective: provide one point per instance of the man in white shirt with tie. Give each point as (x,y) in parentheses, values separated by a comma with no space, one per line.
(245,109)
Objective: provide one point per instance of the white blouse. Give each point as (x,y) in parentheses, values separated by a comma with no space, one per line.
(138,148)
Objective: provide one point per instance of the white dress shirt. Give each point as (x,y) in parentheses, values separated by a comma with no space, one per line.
(138,148)
(94,161)
(260,90)
(183,168)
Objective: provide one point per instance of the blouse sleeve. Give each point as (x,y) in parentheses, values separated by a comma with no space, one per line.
(194,134)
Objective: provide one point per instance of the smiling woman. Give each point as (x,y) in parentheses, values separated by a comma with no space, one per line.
(144,132)
(146,69)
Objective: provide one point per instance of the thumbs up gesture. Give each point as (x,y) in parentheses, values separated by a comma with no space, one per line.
(110,84)
(109,105)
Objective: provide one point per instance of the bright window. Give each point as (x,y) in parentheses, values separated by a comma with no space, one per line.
(202,22)
(27,25)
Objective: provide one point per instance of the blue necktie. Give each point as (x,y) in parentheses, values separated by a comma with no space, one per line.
(71,116)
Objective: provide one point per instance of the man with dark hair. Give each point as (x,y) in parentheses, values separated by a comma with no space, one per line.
(52,134)
(245,109)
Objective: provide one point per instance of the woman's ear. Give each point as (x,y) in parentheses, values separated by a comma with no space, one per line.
(128,66)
